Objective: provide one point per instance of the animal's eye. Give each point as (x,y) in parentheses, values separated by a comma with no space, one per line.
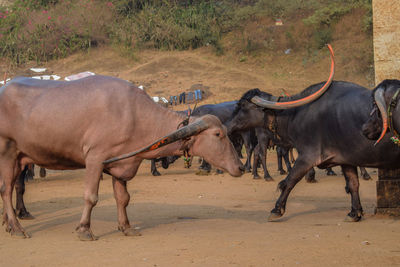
(217,134)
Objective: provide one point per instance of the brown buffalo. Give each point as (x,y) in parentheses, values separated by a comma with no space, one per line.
(82,124)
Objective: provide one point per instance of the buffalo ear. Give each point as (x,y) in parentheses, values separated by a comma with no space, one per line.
(373,127)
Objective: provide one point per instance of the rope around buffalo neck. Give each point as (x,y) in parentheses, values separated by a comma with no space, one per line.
(393,102)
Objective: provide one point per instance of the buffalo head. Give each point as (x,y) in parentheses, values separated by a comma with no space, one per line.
(384,95)
(206,137)
(214,146)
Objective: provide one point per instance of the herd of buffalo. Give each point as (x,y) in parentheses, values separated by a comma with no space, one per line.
(108,125)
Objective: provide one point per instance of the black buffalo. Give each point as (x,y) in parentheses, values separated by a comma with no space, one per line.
(326,132)
(165,162)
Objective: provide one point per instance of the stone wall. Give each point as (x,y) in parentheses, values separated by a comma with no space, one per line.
(386,21)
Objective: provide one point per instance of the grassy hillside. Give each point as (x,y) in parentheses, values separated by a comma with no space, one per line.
(240,32)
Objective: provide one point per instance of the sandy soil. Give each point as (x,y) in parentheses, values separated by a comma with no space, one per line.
(215,220)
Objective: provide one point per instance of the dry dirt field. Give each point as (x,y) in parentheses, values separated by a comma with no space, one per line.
(215,220)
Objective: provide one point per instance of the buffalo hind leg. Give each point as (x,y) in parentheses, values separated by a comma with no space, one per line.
(21,211)
(279,155)
(122,198)
(364,174)
(267,176)
(9,169)
(300,168)
(330,172)
(352,186)
(310,176)
(92,180)
(153,168)
(256,160)
(286,159)
(249,147)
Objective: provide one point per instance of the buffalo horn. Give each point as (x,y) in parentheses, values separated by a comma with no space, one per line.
(380,102)
(179,134)
(299,102)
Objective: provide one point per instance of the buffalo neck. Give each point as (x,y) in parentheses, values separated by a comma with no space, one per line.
(283,119)
(163,122)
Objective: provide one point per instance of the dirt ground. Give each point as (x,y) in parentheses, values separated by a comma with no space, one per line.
(215,220)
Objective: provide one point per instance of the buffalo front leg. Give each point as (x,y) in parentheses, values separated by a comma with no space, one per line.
(249,151)
(300,168)
(122,198)
(263,154)
(92,180)
(279,157)
(22,213)
(9,171)
(352,186)
(256,160)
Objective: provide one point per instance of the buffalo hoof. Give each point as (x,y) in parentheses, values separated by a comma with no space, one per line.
(269,179)
(156,173)
(256,177)
(366,177)
(274,216)
(42,172)
(130,231)
(354,216)
(25,215)
(312,181)
(86,235)
(282,172)
(19,235)
(219,172)
(16,232)
(331,173)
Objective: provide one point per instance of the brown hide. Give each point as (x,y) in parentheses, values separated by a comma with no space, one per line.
(59,124)
(78,124)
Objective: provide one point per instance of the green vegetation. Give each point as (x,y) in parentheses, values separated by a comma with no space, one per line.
(40,30)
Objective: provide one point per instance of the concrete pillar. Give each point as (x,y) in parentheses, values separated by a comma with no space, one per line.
(388,192)
(386,30)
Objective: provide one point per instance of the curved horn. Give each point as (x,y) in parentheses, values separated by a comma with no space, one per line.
(380,102)
(299,102)
(181,133)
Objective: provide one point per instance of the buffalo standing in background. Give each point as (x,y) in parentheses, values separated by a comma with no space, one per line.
(165,162)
